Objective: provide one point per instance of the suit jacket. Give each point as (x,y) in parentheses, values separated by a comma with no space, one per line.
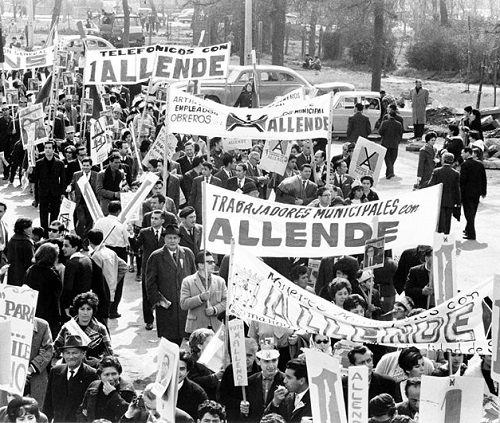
(77,278)
(345,186)
(224,177)
(418,278)
(51,181)
(163,280)
(255,394)
(173,189)
(425,164)
(292,188)
(195,197)
(190,396)
(64,397)
(302,159)
(287,408)
(169,218)
(408,259)
(72,167)
(472,179)
(185,164)
(450,179)
(391,132)
(149,243)
(106,194)
(358,125)
(191,289)
(187,182)
(192,242)
(20,252)
(76,188)
(233,185)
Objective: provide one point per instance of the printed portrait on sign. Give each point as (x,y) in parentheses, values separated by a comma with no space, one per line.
(12,97)
(68,79)
(33,84)
(87,107)
(374,253)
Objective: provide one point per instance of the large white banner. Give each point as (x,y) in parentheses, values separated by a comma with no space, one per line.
(296,120)
(138,64)
(18,304)
(21,59)
(6,351)
(257,292)
(495,335)
(282,230)
(367,159)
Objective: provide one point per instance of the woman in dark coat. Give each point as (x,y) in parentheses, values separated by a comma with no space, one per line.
(245,97)
(20,251)
(43,277)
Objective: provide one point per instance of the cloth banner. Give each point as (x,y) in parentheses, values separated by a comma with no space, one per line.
(188,114)
(157,150)
(444,258)
(66,213)
(5,353)
(238,352)
(139,196)
(133,65)
(165,387)
(275,156)
(99,147)
(295,95)
(357,403)
(16,59)
(257,292)
(213,356)
(284,230)
(90,199)
(32,125)
(451,399)
(230,144)
(495,359)
(367,159)
(325,384)
(18,305)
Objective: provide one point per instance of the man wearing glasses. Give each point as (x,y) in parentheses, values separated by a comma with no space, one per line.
(203,295)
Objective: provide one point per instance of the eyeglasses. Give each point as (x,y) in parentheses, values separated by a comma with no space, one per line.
(210,261)
(324,341)
(53,230)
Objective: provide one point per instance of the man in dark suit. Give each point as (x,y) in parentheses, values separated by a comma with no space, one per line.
(227,170)
(472,186)
(157,202)
(262,385)
(187,180)
(378,384)
(150,239)
(241,181)
(391,132)
(450,196)
(306,155)
(83,219)
(165,270)
(341,179)
(68,382)
(347,150)
(298,189)
(417,285)
(358,125)
(186,161)
(173,185)
(292,401)
(196,197)
(191,232)
(50,176)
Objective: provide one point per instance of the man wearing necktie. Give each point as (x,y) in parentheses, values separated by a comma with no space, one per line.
(196,195)
(297,189)
(341,179)
(254,173)
(4,236)
(191,232)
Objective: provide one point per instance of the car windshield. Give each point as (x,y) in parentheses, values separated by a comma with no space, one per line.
(120,21)
(233,76)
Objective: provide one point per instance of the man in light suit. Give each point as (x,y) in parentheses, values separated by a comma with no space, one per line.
(68,382)
(150,239)
(4,236)
(203,295)
(341,179)
(165,271)
(196,197)
(298,189)
(83,219)
(191,232)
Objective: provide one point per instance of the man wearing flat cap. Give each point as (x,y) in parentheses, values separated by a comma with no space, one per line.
(165,270)
(68,382)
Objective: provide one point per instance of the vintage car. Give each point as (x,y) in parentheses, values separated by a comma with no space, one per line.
(112,27)
(91,42)
(272,82)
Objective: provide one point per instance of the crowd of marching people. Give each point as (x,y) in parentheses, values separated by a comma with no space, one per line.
(75,373)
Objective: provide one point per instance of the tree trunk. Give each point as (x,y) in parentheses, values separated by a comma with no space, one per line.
(443,10)
(435,13)
(126,24)
(312,33)
(279,27)
(378,44)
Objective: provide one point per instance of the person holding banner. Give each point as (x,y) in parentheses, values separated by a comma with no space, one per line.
(418,285)
(298,189)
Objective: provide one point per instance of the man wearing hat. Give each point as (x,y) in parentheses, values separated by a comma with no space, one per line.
(262,385)
(68,382)
(165,271)
(191,232)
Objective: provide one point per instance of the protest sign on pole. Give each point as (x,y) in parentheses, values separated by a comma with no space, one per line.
(5,353)
(18,305)
(188,114)
(230,144)
(165,386)
(16,59)
(133,65)
(495,336)
(357,403)
(367,159)
(238,352)
(260,293)
(99,147)
(275,156)
(444,258)
(139,196)
(125,199)
(325,385)
(66,213)
(374,253)
(284,230)
(32,125)
(157,150)
(90,198)
(213,355)
(451,399)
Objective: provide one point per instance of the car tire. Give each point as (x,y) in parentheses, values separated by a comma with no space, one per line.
(213,98)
